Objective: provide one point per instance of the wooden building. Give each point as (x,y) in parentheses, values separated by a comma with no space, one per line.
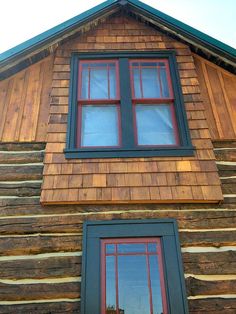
(117,167)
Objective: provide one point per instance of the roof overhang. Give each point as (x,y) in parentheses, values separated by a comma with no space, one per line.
(37,48)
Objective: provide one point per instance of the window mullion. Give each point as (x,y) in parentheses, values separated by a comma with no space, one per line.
(126,104)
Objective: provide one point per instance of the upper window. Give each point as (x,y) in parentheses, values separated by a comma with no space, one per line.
(125,106)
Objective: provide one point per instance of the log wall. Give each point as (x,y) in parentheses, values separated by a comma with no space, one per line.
(24,104)
(126,180)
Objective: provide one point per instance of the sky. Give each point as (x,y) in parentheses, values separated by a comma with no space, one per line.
(23,19)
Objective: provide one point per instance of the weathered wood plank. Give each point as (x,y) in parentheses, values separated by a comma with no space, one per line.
(212,306)
(48,267)
(14,146)
(220,263)
(24,172)
(226,154)
(40,291)
(73,223)
(203,287)
(207,238)
(36,244)
(20,158)
(42,308)
(27,189)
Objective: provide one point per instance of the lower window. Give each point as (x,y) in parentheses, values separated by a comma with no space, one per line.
(132,276)
(132,267)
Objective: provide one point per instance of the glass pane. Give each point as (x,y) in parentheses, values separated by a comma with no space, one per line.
(131,248)
(112,81)
(152,247)
(150,80)
(137,86)
(155,284)
(98,81)
(154,125)
(99,125)
(85,82)
(110,285)
(151,84)
(164,83)
(110,248)
(133,285)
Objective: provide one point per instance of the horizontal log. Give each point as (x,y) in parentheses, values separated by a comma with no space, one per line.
(73,223)
(225,155)
(11,207)
(39,244)
(20,189)
(40,291)
(24,172)
(22,245)
(50,267)
(214,263)
(213,238)
(229,188)
(21,158)
(42,308)
(17,146)
(224,144)
(70,266)
(212,306)
(230,200)
(203,287)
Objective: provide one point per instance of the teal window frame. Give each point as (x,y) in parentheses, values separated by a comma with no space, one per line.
(128,147)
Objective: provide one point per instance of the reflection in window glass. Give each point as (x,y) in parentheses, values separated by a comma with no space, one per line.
(154,125)
(110,248)
(133,285)
(99,125)
(155,284)
(132,247)
(133,278)
(98,81)
(110,285)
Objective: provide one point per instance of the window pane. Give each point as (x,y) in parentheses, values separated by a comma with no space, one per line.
(110,285)
(164,83)
(155,284)
(152,247)
(137,86)
(99,125)
(131,248)
(154,125)
(98,81)
(151,84)
(110,248)
(150,80)
(133,285)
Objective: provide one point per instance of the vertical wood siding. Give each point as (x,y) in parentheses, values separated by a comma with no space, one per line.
(218,92)
(24,104)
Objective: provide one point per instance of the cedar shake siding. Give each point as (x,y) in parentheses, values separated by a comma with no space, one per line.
(124,180)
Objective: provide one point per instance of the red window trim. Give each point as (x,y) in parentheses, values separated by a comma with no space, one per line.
(154,101)
(160,265)
(91,102)
(171,97)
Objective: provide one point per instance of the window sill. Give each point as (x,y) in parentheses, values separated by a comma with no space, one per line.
(136,152)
